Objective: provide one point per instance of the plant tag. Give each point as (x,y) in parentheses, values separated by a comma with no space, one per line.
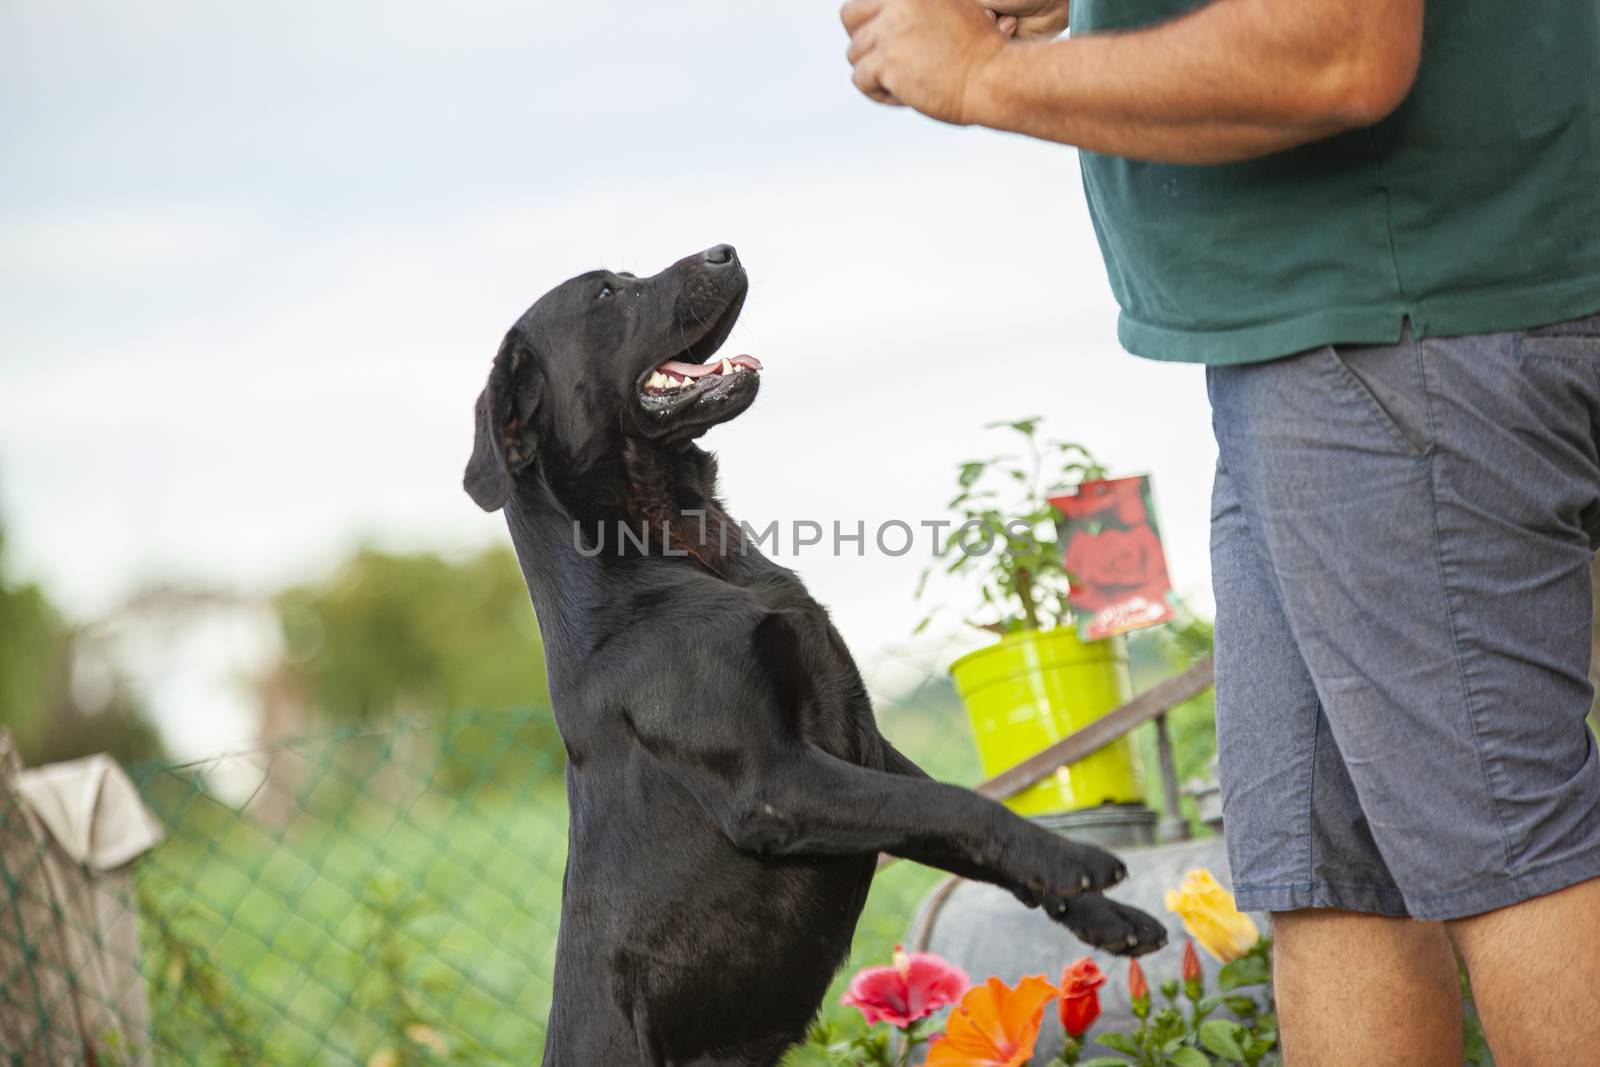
(1114,557)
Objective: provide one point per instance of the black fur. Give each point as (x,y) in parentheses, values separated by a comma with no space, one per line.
(729,789)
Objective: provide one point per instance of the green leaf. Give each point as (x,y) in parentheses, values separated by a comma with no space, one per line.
(1246,970)
(1242,1005)
(970,473)
(1207,1005)
(1222,1037)
(1188,1057)
(1119,1042)
(1022,426)
(1103,1061)
(1257,1052)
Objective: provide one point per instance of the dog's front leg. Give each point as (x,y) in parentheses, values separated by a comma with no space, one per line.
(802,801)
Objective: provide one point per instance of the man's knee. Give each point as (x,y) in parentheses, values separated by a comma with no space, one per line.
(1314,942)
(1546,925)
(1407,996)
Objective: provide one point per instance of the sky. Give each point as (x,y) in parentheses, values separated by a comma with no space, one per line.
(255,261)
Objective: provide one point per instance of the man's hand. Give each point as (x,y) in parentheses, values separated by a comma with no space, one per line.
(1030,20)
(1221,83)
(921,53)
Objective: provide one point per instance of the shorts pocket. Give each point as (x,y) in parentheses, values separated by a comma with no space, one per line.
(1388,381)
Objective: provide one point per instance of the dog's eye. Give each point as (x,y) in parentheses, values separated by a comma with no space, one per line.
(605,293)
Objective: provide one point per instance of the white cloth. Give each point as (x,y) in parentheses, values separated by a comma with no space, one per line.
(92,810)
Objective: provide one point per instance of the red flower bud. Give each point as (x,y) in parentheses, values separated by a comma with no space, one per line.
(1191,963)
(1138,988)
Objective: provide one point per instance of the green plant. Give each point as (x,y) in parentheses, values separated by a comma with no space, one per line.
(1187,1035)
(398,992)
(1003,539)
(903,996)
(854,1044)
(1474,1045)
(201,1019)
(1179,1035)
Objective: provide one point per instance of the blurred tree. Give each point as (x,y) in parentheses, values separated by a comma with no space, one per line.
(417,633)
(47,714)
(29,649)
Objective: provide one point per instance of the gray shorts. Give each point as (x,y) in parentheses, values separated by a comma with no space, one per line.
(1401,539)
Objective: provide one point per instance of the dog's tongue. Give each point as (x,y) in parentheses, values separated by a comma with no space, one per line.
(700,370)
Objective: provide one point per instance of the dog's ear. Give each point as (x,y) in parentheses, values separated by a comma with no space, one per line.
(504,440)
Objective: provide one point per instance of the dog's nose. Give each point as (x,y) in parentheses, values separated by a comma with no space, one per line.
(721,255)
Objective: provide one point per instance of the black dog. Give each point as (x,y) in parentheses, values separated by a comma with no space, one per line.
(729,789)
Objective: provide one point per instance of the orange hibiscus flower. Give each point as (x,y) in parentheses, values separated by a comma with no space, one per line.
(994,1025)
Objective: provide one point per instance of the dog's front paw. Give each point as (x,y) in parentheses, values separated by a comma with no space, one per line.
(1107,925)
(1052,869)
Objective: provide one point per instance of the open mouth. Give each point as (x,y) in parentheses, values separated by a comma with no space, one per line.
(676,379)
(693,378)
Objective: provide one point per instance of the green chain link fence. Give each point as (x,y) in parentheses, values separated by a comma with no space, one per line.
(382,897)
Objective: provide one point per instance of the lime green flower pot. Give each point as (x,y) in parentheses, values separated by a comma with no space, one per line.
(1034,688)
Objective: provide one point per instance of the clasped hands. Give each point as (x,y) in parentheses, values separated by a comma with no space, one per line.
(928,54)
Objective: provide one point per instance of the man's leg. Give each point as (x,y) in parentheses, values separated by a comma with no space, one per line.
(1429,511)
(1356,988)
(1535,970)
(1352,986)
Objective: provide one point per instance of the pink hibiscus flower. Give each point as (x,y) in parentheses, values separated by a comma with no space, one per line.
(914,988)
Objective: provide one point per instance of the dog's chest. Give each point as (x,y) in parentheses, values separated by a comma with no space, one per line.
(828,696)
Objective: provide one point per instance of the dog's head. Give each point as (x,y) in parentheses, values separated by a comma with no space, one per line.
(605,357)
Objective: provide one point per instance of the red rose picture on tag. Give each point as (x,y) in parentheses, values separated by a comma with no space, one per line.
(1114,557)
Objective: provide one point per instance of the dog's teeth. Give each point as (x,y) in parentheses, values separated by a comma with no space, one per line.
(657,381)
(726,368)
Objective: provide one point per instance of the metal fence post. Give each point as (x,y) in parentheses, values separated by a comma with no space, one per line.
(71,992)
(1173,827)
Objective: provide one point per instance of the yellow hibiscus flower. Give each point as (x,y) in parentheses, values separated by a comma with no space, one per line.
(1210,916)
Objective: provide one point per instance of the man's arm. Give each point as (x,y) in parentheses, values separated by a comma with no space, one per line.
(1232,80)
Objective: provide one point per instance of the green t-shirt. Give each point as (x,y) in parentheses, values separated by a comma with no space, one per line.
(1473,208)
